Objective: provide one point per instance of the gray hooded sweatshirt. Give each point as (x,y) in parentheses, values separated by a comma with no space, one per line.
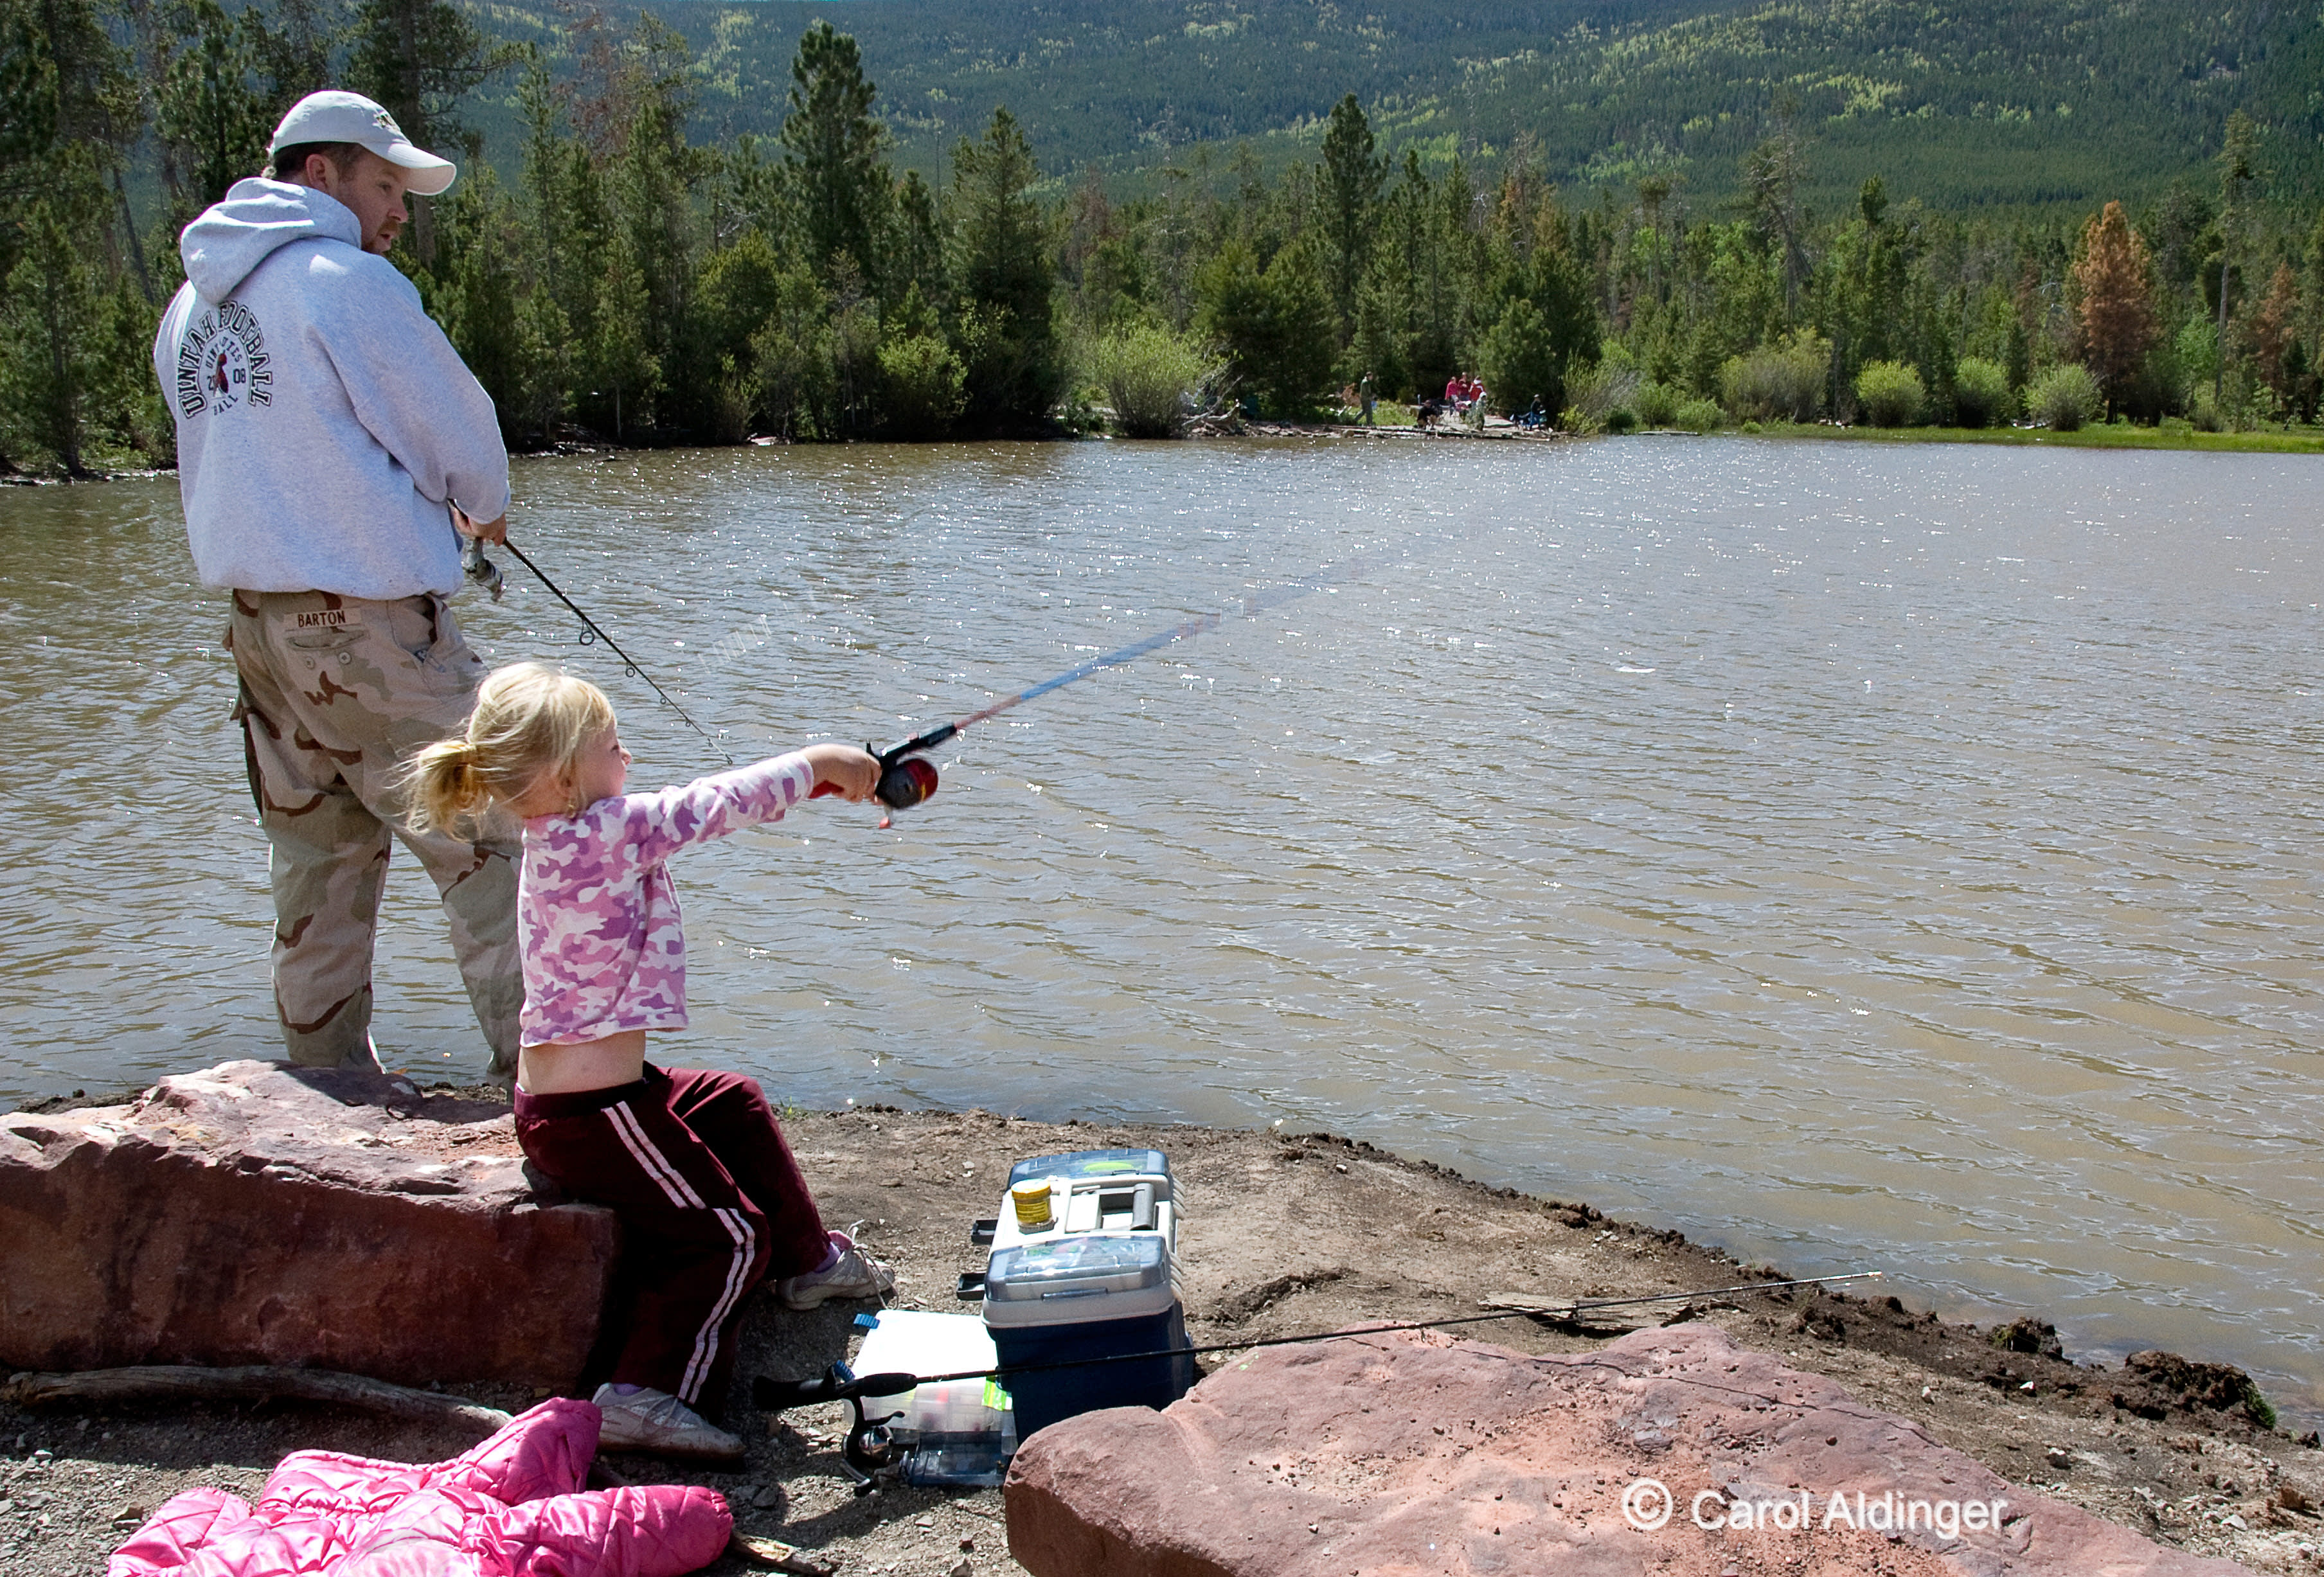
(323,419)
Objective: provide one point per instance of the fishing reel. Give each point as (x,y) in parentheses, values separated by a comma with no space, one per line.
(905,781)
(868,1450)
(480,570)
(905,777)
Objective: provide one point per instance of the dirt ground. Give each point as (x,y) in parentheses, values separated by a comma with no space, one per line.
(1282,1235)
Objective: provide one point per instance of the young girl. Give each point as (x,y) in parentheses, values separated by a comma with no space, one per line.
(709,1198)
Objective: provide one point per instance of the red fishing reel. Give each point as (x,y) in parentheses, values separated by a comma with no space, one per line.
(905,783)
(905,777)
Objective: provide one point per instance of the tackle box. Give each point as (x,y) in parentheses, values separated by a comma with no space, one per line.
(1093,1191)
(1096,1281)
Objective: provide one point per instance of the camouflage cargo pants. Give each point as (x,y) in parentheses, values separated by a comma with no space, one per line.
(337,694)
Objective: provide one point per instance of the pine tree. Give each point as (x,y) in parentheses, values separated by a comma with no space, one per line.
(2311,298)
(418,59)
(546,153)
(835,156)
(1654,191)
(53,370)
(1273,325)
(1447,259)
(653,185)
(211,112)
(1558,286)
(1772,174)
(2239,172)
(70,112)
(917,252)
(2117,301)
(544,366)
(291,43)
(72,109)
(1351,177)
(790,366)
(477,303)
(1004,278)
(2273,332)
(621,362)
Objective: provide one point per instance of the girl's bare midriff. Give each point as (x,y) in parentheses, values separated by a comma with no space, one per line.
(555,1069)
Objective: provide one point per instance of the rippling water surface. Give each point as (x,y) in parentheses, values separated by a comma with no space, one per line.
(1856,856)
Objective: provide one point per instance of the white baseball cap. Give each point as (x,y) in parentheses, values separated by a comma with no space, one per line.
(336,116)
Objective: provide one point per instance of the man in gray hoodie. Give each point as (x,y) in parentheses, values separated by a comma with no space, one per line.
(329,440)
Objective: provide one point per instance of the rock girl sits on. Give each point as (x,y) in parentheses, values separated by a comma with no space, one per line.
(710,1199)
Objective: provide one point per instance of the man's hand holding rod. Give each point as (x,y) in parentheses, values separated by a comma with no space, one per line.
(495,530)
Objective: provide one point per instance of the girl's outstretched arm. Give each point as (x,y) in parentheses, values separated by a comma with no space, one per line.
(634,830)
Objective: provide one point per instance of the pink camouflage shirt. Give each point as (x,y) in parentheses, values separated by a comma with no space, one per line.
(597,917)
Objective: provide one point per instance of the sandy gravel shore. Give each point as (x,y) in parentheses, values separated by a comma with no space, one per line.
(1284,1235)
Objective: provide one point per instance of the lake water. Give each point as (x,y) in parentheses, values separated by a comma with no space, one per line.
(1856,856)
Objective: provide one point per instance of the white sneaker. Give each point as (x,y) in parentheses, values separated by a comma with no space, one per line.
(853,1275)
(654,1421)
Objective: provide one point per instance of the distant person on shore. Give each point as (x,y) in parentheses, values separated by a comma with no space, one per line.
(329,440)
(1456,393)
(1367,391)
(693,1163)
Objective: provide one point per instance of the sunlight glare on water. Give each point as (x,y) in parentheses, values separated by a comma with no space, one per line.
(1857,856)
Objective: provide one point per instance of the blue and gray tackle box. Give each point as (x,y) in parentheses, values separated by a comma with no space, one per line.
(1091,1276)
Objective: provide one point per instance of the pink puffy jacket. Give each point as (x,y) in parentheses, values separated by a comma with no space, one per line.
(511,1508)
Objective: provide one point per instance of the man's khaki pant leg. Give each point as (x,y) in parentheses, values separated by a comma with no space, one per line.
(338,692)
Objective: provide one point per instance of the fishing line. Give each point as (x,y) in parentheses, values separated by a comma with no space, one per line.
(905,780)
(484,573)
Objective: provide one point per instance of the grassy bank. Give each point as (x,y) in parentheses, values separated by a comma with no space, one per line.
(2309,441)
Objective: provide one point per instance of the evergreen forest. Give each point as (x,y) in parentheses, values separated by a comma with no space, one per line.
(1159,216)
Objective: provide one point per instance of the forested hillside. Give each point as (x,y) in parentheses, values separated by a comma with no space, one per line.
(1958,101)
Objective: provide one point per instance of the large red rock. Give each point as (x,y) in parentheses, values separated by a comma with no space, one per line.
(1398,1454)
(259,1213)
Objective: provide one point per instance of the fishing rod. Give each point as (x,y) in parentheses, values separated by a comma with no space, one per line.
(867,1448)
(906,780)
(487,574)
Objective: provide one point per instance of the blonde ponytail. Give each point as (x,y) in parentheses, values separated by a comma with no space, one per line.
(444,786)
(529,720)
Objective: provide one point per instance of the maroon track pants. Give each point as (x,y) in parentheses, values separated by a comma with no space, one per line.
(711,1202)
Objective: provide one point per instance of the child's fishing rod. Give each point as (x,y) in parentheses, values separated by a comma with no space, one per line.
(906,780)
(867,1448)
(486,574)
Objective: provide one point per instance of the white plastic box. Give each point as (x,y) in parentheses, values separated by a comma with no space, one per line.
(955,1431)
